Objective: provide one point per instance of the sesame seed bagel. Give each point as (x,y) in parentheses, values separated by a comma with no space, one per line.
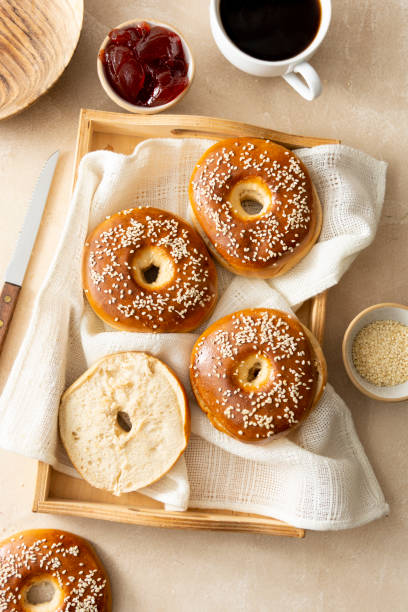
(147,270)
(125,422)
(257,373)
(48,570)
(255,206)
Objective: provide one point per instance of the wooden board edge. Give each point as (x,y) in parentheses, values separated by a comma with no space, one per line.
(318,316)
(42,485)
(197,519)
(166,519)
(84,135)
(199,126)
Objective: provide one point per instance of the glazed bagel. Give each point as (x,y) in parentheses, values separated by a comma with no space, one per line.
(257,373)
(255,206)
(147,270)
(48,570)
(125,422)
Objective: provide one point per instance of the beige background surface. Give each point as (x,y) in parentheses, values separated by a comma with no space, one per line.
(364,103)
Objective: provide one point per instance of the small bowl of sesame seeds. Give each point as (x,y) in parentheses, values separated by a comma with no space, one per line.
(375,352)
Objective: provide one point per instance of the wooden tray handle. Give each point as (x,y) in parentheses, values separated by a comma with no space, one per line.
(318,316)
(8,301)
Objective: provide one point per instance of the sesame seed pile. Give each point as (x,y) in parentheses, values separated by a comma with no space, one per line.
(77,574)
(380,353)
(281,229)
(273,407)
(109,252)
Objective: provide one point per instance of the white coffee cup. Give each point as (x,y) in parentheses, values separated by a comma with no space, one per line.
(309,87)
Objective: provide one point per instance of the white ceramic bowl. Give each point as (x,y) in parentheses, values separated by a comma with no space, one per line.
(134,108)
(378,312)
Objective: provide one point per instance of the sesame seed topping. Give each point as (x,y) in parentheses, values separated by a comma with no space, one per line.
(29,556)
(281,398)
(190,291)
(283,225)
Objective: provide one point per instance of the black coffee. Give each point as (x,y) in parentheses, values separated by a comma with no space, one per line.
(271,30)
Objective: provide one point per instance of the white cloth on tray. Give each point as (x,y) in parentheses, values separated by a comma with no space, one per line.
(318,477)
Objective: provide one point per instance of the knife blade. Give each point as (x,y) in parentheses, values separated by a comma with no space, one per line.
(19,262)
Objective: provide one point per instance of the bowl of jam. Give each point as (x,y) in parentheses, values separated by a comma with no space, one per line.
(145,66)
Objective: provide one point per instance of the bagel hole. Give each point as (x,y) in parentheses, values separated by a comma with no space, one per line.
(250,198)
(251,207)
(124,422)
(151,273)
(40,593)
(254,371)
(153,268)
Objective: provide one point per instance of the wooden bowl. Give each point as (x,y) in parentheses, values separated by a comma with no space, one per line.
(378,312)
(37,40)
(134,108)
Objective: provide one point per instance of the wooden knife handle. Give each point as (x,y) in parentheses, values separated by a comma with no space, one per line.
(8,301)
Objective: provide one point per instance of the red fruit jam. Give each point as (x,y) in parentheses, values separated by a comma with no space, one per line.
(145,65)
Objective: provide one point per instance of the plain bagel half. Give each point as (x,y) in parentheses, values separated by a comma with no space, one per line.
(125,422)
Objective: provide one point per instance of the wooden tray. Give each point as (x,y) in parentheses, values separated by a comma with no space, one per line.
(57,493)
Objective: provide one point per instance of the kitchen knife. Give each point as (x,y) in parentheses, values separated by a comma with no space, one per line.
(18,265)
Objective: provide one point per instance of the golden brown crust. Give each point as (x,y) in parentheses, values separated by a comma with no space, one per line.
(257,373)
(185,409)
(64,559)
(267,244)
(122,247)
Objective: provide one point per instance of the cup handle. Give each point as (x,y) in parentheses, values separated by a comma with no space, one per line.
(311,88)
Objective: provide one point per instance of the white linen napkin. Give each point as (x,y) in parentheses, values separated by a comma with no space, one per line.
(319,477)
